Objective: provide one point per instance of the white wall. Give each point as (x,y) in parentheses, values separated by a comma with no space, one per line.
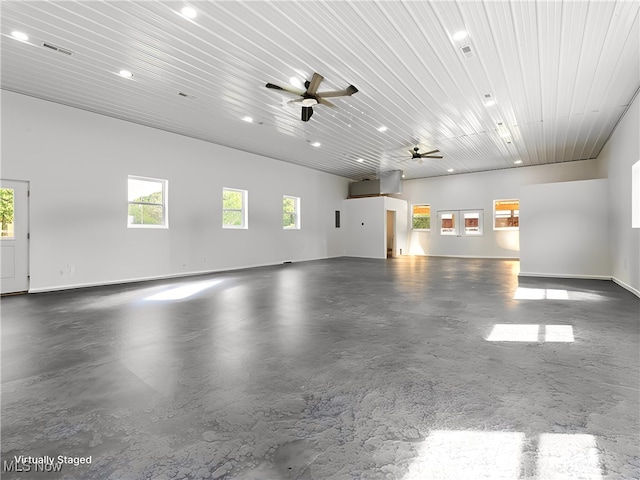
(618,155)
(77,163)
(562,232)
(478,191)
(365,223)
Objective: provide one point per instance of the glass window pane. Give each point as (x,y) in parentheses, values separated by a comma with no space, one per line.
(146,191)
(232,200)
(232,218)
(421,217)
(290,214)
(234,208)
(6,211)
(506,214)
(140,214)
(288,219)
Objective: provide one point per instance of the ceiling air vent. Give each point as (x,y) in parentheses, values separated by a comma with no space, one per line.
(466,51)
(55,48)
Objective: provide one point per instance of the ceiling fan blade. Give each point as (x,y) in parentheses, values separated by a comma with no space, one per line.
(293,90)
(429,153)
(314,83)
(326,102)
(430,156)
(350,90)
(306,113)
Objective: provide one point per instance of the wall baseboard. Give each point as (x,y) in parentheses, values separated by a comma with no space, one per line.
(635,291)
(469,256)
(617,281)
(58,288)
(564,275)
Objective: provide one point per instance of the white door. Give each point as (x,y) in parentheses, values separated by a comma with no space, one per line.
(14,239)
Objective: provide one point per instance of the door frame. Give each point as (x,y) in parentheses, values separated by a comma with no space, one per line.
(23,231)
(392,214)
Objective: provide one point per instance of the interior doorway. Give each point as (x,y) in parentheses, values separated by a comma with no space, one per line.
(391,233)
(14,239)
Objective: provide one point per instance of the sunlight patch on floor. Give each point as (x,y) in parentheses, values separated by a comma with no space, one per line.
(505,332)
(524,293)
(514,333)
(468,454)
(568,456)
(183,291)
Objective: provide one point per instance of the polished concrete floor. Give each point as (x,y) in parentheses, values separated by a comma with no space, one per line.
(412,368)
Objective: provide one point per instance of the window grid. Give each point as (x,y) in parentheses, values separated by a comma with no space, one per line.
(506,214)
(421,217)
(234,208)
(290,212)
(147,202)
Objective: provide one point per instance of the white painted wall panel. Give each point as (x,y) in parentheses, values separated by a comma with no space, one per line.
(563,229)
(479,190)
(620,153)
(78,163)
(364,227)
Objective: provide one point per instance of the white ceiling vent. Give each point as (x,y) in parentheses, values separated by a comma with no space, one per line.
(466,51)
(55,48)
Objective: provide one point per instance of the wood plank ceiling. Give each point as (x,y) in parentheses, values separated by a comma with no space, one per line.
(561,74)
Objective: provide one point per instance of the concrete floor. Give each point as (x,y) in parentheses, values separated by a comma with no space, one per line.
(411,368)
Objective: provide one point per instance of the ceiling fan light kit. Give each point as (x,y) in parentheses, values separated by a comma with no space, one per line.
(310,96)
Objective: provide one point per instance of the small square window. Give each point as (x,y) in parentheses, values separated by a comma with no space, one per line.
(506,214)
(421,217)
(290,212)
(147,203)
(472,223)
(448,223)
(234,208)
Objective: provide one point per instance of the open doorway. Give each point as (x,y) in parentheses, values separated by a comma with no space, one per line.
(391,233)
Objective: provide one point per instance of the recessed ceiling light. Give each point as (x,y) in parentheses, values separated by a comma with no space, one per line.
(403,175)
(23,37)
(450,170)
(315,144)
(518,162)
(189,12)
(382,129)
(360,160)
(489,103)
(461,35)
(125,73)
(247,119)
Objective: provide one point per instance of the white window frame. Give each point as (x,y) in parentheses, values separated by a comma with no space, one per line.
(495,211)
(243,210)
(445,214)
(164,204)
(413,215)
(296,203)
(472,233)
